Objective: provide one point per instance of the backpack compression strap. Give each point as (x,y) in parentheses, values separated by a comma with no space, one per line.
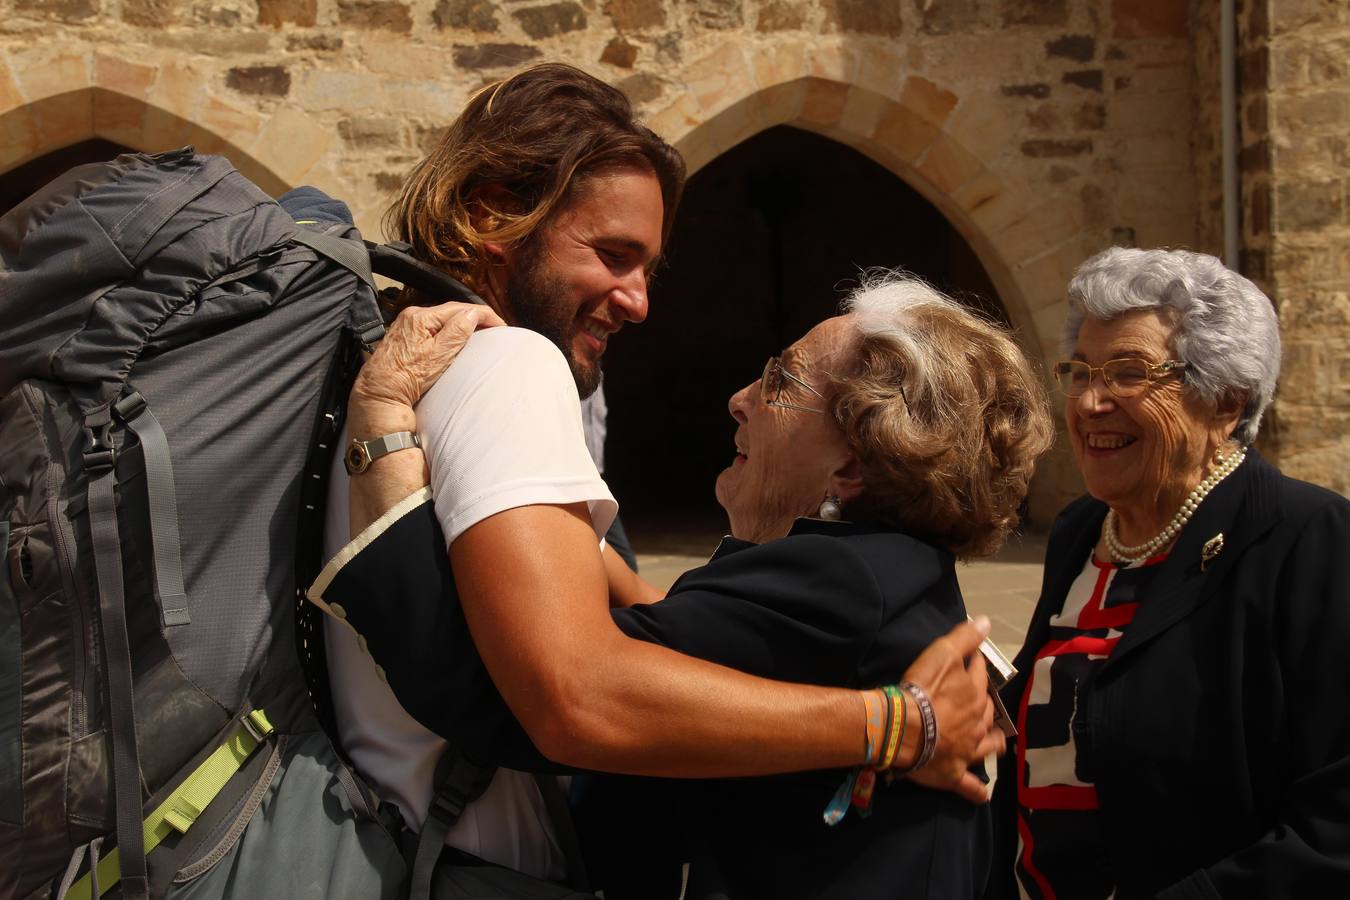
(126,764)
(180,809)
(163,502)
(456,783)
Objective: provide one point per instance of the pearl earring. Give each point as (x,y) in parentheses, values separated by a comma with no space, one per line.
(830,508)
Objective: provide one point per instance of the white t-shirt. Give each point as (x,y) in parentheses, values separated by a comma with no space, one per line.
(500,429)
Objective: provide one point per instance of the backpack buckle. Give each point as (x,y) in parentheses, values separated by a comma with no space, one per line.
(99,452)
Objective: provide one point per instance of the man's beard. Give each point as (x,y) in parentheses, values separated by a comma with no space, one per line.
(535,297)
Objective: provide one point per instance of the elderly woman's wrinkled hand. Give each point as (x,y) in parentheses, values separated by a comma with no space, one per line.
(419,346)
(964,712)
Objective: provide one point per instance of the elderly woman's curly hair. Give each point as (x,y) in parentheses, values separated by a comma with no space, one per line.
(944,413)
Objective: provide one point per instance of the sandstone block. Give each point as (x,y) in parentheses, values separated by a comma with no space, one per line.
(865,16)
(324,43)
(780,63)
(620,53)
(275,13)
(371,132)
(719,78)
(862,111)
(118,117)
(1038,90)
(222,128)
(780,15)
(1149,18)
(904,133)
(1090,117)
(1320,111)
(718,14)
(493,56)
(1043,226)
(419,97)
(65,119)
(386,15)
(823,104)
(927,99)
(19,137)
(325,89)
(150,13)
(122,76)
(290,144)
(265,81)
(880,69)
(1309,206)
(947,165)
(635,15)
(836,61)
(948,16)
(475,15)
(555,18)
(43,74)
(986,125)
(642,88)
(61,10)
(1035,12)
(1077,47)
(1088,79)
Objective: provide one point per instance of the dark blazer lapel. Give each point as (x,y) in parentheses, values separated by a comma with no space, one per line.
(1242,508)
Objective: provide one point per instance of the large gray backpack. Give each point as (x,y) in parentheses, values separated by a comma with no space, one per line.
(174,356)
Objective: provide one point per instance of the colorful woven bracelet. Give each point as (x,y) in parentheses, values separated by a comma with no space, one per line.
(874,707)
(896,734)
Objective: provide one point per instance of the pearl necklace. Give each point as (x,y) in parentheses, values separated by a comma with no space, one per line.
(1137,554)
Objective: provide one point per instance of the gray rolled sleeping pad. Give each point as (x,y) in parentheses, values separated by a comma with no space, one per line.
(174,355)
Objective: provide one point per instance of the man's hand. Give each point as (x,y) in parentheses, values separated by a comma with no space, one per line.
(965,714)
(419,346)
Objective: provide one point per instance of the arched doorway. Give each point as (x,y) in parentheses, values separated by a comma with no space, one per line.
(20,182)
(768,238)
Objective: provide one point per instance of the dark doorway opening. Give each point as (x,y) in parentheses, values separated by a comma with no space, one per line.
(19,183)
(767,240)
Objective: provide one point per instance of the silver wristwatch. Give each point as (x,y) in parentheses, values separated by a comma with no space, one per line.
(361,453)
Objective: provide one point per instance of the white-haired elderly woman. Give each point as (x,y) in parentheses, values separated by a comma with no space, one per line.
(1181,702)
(871,454)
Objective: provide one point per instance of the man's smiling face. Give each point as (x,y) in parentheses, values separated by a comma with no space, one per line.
(584,274)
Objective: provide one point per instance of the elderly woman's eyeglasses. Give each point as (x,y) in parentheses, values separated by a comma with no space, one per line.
(1124,378)
(775,379)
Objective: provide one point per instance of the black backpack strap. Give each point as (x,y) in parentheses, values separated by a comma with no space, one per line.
(457,783)
(163,504)
(126,766)
(395,260)
(564,830)
(349,254)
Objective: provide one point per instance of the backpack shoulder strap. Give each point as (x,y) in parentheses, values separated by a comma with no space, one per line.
(457,783)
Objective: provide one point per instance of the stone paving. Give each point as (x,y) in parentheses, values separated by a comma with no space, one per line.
(1004,588)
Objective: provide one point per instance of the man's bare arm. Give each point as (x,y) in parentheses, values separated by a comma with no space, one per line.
(626,587)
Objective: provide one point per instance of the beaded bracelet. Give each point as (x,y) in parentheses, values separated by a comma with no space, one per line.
(929,720)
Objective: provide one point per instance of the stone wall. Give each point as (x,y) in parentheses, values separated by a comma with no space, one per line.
(1043,129)
(1301,219)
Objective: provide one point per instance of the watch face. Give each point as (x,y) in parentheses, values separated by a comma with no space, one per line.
(356,459)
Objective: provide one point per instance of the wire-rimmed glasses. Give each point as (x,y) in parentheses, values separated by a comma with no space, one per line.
(773,382)
(1124,378)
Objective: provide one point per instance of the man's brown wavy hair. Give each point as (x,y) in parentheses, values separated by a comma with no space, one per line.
(944,413)
(533,139)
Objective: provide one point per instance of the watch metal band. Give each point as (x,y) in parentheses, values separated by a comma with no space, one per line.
(362,453)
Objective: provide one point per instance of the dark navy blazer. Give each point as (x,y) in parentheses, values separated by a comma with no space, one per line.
(832,604)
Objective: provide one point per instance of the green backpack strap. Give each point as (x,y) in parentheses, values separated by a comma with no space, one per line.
(180,809)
